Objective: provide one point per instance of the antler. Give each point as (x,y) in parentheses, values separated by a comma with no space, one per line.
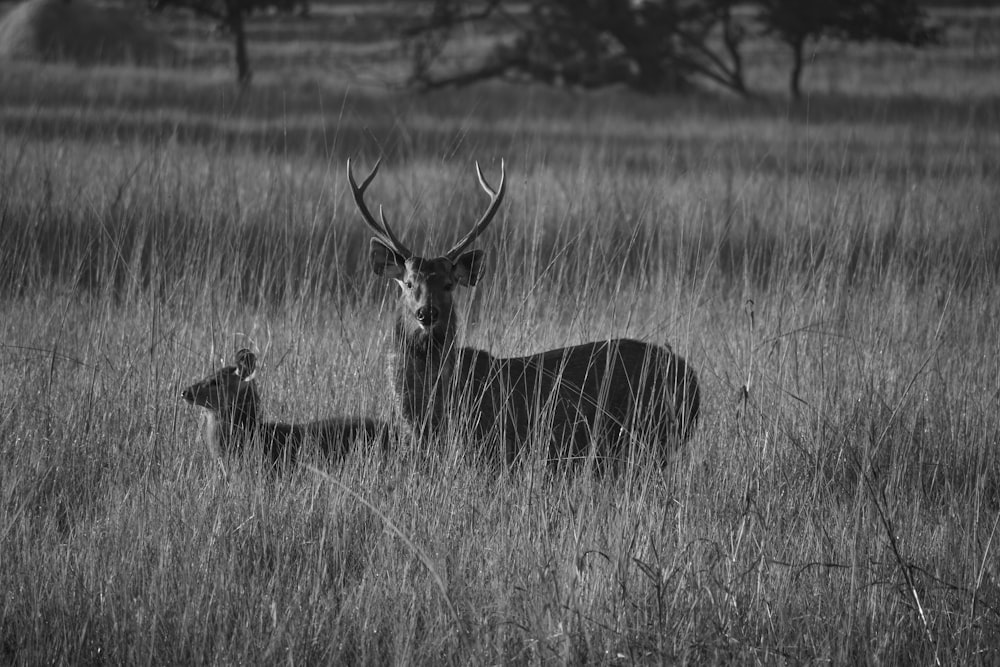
(496,196)
(383,232)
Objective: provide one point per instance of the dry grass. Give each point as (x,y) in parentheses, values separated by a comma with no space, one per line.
(831,272)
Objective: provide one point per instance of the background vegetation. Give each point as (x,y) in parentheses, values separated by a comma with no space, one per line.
(651,45)
(830,268)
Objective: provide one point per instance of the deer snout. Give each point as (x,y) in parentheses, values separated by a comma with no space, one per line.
(427,315)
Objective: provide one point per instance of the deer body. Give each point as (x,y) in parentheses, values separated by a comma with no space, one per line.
(231,424)
(595,397)
(601,394)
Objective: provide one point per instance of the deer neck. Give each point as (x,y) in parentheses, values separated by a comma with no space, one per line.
(227,430)
(424,364)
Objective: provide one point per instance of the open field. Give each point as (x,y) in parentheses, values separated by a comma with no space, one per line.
(831,270)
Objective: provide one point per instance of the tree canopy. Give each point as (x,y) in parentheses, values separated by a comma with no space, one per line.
(649,45)
(796,23)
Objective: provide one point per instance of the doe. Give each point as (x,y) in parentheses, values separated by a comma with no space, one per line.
(231,401)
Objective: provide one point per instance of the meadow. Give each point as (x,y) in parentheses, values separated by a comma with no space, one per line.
(831,269)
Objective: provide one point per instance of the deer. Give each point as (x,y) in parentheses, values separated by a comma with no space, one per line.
(596,398)
(231,402)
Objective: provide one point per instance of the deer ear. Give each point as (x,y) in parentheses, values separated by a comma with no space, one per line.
(469,267)
(386,261)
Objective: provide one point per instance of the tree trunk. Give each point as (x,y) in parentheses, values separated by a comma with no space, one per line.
(234,17)
(795,81)
(732,38)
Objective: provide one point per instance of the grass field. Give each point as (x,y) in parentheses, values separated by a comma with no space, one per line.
(832,271)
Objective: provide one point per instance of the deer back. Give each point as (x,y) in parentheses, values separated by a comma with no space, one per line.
(588,399)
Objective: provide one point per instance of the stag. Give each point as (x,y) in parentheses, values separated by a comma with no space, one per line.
(593,399)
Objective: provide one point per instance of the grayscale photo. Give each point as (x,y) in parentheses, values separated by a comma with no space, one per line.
(500,332)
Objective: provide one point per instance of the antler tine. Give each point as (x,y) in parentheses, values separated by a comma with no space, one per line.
(393,239)
(496,196)
(359,193)
(383,232)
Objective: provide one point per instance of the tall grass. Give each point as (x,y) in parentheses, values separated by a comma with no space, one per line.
(833,282)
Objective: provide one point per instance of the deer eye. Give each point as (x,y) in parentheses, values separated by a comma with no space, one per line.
(408,284)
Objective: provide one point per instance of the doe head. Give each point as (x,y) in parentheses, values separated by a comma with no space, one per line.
(231,389)
(426,285)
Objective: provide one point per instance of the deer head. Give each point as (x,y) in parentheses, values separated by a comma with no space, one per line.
(231,392)
(426,285)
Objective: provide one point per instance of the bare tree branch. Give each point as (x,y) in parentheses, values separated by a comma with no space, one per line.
(652,46)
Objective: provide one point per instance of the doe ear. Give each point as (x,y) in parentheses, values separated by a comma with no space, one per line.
(246,362)
(469,267)
(386,261)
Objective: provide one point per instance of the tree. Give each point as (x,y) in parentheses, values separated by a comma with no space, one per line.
(231,17)
(649,45)
(797,22)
